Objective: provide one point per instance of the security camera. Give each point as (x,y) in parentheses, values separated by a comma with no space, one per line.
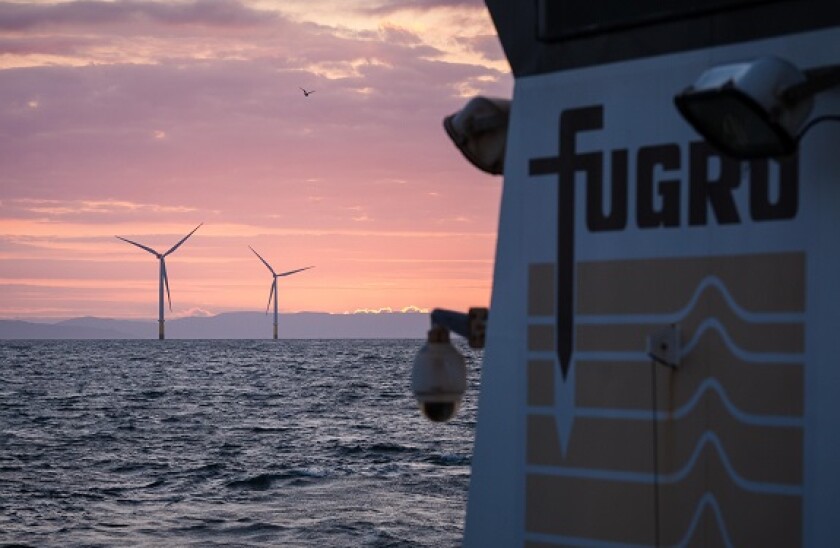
(439,376)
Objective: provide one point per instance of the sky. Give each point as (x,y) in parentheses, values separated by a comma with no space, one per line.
(144,118)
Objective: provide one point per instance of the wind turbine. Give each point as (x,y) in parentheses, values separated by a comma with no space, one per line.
(164,280)
(272,293)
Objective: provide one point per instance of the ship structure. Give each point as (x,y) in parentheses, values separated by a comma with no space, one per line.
(662,365)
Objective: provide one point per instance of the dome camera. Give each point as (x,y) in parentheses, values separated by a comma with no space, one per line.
(439,376)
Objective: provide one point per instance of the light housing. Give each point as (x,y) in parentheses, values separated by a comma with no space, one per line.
(438,376)
(479,130)
(747,109)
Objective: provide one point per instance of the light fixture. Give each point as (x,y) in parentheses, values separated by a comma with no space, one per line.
(439,372)
(479,130)
(755,109)
(439,376)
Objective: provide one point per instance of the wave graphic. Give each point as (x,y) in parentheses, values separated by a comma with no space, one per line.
(745,355)
(707,284)
(709,385)
(759,333)
(726,425)
(707,439)
(708,500)
(619,384)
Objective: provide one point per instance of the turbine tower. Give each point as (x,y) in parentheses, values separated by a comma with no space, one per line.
(164,280)
(272,293)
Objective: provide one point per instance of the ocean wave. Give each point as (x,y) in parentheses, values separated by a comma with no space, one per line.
(202,443)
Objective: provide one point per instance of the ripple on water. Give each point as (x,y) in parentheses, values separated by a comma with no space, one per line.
(219,443)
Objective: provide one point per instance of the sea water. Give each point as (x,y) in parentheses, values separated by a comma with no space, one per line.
(226,443)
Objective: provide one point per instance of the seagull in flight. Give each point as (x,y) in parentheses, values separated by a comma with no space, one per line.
(307,93)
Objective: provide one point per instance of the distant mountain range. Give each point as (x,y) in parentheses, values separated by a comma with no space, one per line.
(231,325)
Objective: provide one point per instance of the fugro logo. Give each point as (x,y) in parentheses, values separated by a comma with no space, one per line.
(711,181)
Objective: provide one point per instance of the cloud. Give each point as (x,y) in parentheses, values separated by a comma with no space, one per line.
(486,45)
(397,35)
(410,309)
(385,310)
(149,117)
(194,312)
(54,230)
(213,13)
(137,32)
(391,6)
(109,209)
(225,122)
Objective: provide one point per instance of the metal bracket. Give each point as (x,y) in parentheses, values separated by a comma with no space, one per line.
(478,326)
(663,346)
(471,326)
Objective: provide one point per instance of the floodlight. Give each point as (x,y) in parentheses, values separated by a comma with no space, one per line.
(754,109)
(479,130)
(739,108)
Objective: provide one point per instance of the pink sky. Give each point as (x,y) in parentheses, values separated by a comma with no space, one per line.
(142,119)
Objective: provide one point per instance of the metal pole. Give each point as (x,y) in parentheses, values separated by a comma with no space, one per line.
(160,302)
(275,308)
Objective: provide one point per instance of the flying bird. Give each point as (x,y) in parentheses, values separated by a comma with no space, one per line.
(307,93)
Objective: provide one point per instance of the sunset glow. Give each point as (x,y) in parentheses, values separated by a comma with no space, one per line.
(143,119)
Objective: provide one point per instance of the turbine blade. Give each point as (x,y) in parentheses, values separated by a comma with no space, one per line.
(263,260)
(184,239)
(141,246)
(166,282)
(294,271)
(270,295)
